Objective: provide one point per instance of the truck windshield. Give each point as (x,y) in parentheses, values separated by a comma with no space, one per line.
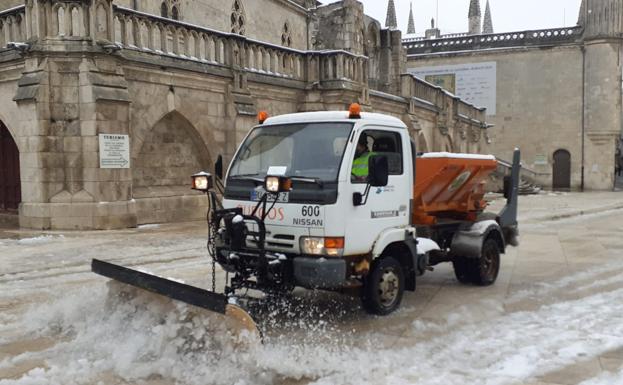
(309,150)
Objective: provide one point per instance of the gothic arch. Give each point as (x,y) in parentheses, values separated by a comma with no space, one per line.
(422,143)
(447,145)
(373,37)
(170,9)
(561,170)
(10,180)
(171,151)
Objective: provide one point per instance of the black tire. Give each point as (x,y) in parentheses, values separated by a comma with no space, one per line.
(465,269)
(488,263)
(481,271)
(383,287)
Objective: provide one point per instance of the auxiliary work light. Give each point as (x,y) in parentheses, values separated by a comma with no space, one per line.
(276,180)
(277,184)
(202,181)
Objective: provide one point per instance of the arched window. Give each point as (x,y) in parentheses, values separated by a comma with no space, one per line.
(164,10)
(238,19)
(286,39)
(175,13)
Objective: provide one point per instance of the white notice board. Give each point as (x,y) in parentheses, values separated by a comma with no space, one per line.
(473,82)
(114,151)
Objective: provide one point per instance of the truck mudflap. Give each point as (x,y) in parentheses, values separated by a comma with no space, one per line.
(205,299)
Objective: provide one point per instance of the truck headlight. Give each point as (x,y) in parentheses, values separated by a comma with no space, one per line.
(327,246)
(202,181)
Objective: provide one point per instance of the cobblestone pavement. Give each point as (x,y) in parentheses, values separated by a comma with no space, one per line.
(554,317)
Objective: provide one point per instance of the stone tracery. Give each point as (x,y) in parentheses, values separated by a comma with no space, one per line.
(238,19)
(286,39)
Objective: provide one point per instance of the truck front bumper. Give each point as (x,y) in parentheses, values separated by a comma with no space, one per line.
(319,273)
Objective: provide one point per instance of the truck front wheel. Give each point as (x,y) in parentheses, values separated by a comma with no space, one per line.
(383,287)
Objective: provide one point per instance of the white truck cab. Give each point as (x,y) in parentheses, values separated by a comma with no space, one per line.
(342,219)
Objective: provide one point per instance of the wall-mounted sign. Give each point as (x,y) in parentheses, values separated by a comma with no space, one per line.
(473,82)
(540,160)
(114,151)
(447,81)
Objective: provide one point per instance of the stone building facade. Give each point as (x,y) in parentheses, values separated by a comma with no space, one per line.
(555,93)
(184,88)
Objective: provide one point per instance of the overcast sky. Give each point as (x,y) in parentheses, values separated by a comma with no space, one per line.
(507,15)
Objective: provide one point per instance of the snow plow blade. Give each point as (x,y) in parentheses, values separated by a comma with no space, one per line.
(178,291)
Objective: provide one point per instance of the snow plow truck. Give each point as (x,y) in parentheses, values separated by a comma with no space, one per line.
(341,201)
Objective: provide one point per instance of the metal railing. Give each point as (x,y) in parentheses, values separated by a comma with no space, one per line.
(497,40)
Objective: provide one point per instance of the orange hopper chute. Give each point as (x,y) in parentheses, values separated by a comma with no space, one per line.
(450,186)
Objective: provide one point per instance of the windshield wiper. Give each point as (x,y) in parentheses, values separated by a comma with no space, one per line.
(305,179)
(251,177)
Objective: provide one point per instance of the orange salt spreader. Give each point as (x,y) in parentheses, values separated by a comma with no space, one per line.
(450,186)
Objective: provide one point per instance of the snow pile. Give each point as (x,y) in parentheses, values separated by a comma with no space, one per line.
(125,336)
(39,239)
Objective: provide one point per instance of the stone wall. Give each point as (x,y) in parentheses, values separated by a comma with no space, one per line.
(6,4)
(539,103)
(263,20)
(339,26)
(557,89)
(183,94)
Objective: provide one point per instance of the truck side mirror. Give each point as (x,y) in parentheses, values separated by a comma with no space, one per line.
(378,171)
(218,167)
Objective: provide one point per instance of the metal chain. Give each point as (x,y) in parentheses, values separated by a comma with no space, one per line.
(213,274)
(212,230)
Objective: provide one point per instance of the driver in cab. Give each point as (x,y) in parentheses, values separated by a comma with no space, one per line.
(362,156)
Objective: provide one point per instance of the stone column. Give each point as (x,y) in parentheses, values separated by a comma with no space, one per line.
(67,101)
(602,111)
(603,54)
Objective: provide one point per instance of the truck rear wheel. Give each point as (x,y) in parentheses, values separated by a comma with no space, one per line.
(481,271)
(383,287)
(488,263)
(465,269)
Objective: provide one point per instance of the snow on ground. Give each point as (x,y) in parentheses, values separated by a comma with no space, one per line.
(606,378)
(136,341)
(78,334)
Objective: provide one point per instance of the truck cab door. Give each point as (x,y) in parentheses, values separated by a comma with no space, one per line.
(386,207)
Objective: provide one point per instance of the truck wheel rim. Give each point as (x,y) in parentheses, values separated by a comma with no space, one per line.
(388,288)
(488,263)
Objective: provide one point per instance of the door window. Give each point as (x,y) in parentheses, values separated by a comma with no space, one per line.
(377,142)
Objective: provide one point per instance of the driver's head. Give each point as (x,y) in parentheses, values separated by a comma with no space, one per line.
(362,144)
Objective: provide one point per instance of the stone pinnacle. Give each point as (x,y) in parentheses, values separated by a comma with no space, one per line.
(488,23)
(411,26)
(391,22)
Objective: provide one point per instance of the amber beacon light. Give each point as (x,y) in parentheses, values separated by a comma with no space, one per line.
(262,116)
(354,111)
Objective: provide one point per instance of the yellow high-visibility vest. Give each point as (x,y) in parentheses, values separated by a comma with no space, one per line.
(360,165)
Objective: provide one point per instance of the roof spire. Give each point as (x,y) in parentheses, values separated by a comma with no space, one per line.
(475,22)
(391,22)
(411,27)
(488,23)
(474,8)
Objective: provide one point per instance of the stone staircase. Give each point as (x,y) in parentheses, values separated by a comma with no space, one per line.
(527,181)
